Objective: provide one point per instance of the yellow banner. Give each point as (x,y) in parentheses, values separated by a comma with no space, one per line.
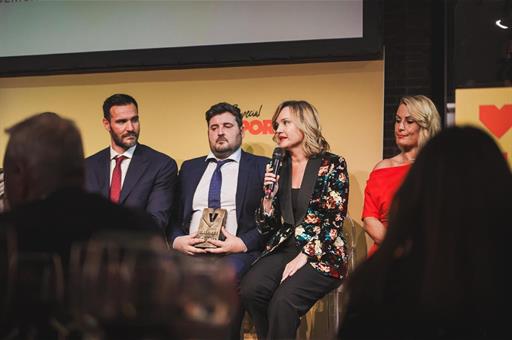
(172,103)
(489,109)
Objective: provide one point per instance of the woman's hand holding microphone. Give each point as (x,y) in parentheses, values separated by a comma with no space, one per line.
(270,183)
(270,188)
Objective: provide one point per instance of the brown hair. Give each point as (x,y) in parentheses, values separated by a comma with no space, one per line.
(50,147)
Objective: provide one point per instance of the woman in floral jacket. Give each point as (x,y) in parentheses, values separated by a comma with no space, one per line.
(305,256)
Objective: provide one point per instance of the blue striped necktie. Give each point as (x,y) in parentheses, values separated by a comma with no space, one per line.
(216,184)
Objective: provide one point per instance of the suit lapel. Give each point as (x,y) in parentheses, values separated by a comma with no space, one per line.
(307,186)
(103,173)
(285,188)
(244,169)
(137,167)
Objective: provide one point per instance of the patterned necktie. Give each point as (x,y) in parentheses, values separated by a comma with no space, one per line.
(115,185)
(215,185)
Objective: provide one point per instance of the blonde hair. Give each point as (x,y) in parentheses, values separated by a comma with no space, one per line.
(424,112)
(308,123)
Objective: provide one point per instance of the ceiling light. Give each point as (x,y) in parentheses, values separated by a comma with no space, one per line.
(500,25)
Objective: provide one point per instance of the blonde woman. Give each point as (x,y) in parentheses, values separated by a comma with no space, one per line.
(416,121)
(305,256)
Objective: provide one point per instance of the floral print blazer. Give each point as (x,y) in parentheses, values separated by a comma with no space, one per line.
(320,232)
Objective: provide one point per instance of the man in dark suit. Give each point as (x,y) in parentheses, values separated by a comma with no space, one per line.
(240,194)
(127,172)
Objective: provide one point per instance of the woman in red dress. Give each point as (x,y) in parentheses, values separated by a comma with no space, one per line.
(416,121)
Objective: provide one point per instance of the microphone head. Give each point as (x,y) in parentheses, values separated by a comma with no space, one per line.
(278,153)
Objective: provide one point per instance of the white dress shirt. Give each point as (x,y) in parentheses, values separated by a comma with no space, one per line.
(227,191)
(124,164)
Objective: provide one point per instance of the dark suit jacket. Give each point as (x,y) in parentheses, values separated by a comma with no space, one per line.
(149,183)
(52,226)
(249,193)
(68,216)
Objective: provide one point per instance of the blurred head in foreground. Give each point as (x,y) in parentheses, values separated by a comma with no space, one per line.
(440,269)
(44,153)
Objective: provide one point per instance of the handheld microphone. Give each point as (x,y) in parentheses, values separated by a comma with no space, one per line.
(277,161)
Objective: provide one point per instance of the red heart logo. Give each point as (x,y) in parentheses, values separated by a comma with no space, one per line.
(498,121)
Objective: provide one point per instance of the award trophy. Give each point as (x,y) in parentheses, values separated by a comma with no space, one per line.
(210,226)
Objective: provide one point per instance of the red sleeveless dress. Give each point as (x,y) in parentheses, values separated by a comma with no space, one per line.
(379,192)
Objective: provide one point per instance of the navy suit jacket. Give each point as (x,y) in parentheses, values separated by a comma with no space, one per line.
(149,183)
(249,192)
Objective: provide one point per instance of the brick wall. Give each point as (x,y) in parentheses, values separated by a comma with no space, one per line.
(411,60)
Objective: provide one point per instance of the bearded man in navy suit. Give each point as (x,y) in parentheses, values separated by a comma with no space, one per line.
(145,178)
(240,195)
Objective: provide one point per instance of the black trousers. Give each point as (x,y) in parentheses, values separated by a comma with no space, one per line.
(275,307)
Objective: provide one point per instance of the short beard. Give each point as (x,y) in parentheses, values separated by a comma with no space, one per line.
(225,152)
(222,154)
(119,142)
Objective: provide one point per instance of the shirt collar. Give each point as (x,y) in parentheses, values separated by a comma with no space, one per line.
(235,156)
(128,153)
